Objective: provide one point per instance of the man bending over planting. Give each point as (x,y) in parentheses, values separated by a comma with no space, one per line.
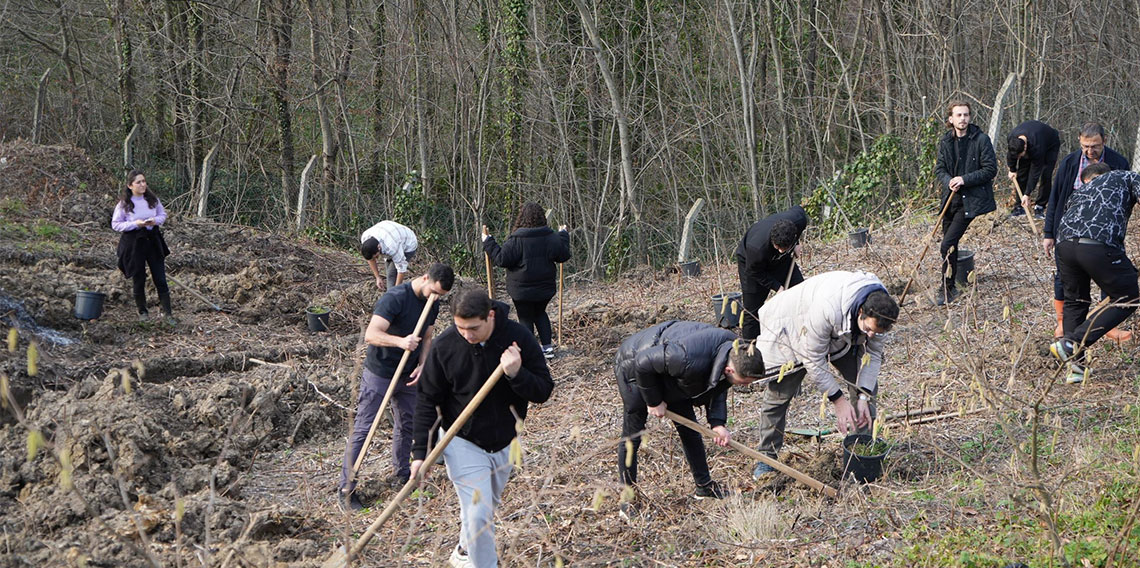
(677,366)
(837,318)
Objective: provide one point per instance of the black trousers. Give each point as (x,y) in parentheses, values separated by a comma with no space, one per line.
(954,225)
(1111,269)
(1044,183)
(753,296)
(636,413)
(150,251)
(532,315)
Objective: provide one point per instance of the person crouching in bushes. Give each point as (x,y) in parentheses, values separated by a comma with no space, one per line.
(138,216)
(678,366)
(529,255)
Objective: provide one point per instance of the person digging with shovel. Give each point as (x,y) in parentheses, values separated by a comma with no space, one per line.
(390,334)
(765,260)
(678,366)
(837,318)
(477,459)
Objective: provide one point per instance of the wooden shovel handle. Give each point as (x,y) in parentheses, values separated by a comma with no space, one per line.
(795,474)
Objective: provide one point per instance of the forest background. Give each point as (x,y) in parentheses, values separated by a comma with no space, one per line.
(325,116)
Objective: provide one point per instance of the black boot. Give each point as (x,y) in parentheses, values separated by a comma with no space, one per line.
(140,303)
(164,299)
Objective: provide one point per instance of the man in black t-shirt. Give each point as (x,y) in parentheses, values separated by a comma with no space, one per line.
(389,335)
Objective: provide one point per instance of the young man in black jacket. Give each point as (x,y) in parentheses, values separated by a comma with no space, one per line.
(1031,157)
(966,168)
(461,360)
(677,366)
(763,259)
(1093,150)
(1090,246)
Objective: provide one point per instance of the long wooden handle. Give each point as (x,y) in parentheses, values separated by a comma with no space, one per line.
(902,298)
(794,473)
(561,283)
(1028,214)
(490,288)
(391,389)
(428,462)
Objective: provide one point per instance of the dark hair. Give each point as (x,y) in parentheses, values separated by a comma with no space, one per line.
(784,234)
(746,358)
(1093,170)
(1015,147)
(369,247)
(125,195)
(471,303)
(1090,129)
(442,273)
(531,215)
(881,306)
(950,110)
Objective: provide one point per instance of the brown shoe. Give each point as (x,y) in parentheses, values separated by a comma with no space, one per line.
(1119,335)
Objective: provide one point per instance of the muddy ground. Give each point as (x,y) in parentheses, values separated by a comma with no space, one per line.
(217,441)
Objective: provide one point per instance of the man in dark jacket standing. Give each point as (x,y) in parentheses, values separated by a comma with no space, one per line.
(966,168)
(1032,150)
(763,259)
(677,366)
(1093,151)
(461,360)
(1090,246)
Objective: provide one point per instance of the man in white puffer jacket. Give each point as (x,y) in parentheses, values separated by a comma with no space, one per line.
(837,318)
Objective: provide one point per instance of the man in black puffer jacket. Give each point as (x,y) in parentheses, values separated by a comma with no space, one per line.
(459,363)
(965,170)
(677,366)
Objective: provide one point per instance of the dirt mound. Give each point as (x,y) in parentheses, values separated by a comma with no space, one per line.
(58,179)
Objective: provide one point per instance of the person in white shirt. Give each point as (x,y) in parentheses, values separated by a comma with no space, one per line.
(396,243)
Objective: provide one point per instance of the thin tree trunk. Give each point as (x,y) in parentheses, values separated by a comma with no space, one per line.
(280,34)
(747,107)
(329,145)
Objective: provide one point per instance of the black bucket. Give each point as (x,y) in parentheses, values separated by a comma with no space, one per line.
(727,310)
(690,268)
(859,238)
(864,468)
(965,267)
(318,319)
(89,305)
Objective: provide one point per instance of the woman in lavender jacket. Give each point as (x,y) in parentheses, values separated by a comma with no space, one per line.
(138,216)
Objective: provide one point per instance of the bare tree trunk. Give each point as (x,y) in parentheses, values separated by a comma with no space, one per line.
(419,94)
(777,61)
(280,37)
(125,57)
(747,106)
(329,146)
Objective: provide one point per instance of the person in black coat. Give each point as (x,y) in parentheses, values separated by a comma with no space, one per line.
(763,259)
(530,256)
(677,366)
(1093,150)
(1032,149)
(965,170)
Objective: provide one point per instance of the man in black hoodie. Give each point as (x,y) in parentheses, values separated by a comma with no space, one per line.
(763,259)
(677,366)
(965,170)
(461,360)
(1032,149)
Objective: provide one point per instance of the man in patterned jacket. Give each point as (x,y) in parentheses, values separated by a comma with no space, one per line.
(1090,246)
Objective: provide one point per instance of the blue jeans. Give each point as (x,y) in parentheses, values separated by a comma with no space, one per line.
(479,478)
(372,389)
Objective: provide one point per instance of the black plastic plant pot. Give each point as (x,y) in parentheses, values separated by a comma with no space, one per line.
(864,468)
(89,305)
(965,267)
(859,238)
(318,319)
(690,268)
(727,308)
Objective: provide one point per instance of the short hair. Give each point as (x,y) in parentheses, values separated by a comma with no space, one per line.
(1090,129)
(1015,146)
(784,234)
(746,358)
(442,273)
(950,110)
(369,248)
(1093,170)
(881,306)
(530,215)
(471,303)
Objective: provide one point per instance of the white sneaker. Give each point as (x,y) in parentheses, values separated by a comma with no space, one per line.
(459,559)
(548,351)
